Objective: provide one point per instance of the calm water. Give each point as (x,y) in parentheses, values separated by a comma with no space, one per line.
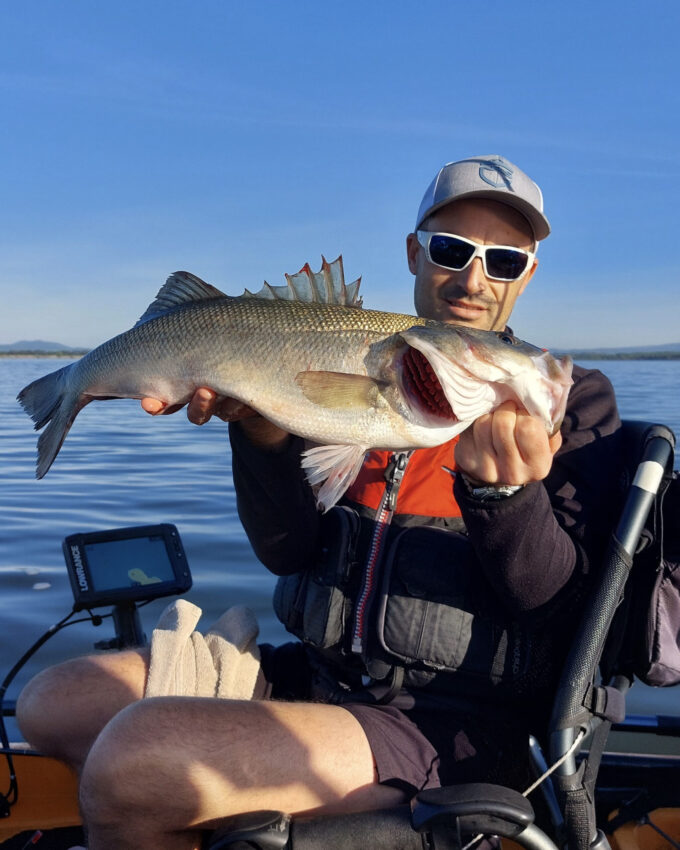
(119,467)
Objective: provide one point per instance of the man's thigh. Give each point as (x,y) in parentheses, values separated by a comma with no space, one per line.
(188,762)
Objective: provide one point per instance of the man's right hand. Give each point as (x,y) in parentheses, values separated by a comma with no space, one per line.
(206,403)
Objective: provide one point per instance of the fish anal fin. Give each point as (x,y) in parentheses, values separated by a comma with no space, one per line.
(327,286)
(179,288)
(336,467)
(339,390)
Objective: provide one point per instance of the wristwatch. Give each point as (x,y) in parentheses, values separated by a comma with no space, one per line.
(493,492)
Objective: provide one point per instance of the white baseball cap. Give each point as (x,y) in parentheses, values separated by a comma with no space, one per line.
(491,177)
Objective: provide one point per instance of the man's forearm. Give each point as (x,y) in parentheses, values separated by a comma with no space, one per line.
(524,552)
(550,533)
(275,503)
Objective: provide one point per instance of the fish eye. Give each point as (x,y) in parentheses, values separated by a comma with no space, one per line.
(508,339)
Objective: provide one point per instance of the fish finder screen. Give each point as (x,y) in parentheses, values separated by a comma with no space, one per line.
(136,562)
(125,565)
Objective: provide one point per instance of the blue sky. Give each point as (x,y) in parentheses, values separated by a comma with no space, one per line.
(239,140)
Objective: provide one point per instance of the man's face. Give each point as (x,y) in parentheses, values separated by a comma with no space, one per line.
(469,297)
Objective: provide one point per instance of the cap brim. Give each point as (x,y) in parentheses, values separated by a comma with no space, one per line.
(538,222)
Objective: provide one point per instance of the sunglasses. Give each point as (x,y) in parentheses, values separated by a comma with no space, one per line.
(500,262)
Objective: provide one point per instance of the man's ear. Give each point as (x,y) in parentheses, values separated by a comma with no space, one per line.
(412,248)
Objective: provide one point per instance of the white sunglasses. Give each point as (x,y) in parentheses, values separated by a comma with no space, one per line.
(500,262)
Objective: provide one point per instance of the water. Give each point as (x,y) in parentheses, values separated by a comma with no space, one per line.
(118,467)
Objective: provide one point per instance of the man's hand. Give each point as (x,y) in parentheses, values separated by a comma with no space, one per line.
(206,403)
(507,446)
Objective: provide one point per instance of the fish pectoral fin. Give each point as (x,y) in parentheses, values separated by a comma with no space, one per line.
(336,467)
(339,390)
(179,288)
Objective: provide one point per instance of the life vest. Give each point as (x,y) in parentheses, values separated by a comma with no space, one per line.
(396,583)
(426,489)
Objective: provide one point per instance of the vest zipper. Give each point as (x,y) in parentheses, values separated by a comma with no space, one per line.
(393,475)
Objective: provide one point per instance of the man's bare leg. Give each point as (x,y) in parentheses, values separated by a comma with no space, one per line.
(63,709)
(165,767)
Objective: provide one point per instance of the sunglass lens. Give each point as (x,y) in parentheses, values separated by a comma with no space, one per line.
(506,264)
(450,252)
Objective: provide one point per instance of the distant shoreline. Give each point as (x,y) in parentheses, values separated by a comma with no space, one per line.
(71,354)
(622,355)
(575,355)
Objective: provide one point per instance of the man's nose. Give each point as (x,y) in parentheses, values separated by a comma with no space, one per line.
(472,279)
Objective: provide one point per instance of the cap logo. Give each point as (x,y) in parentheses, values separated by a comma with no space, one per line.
(493,172)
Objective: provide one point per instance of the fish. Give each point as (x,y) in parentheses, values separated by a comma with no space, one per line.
(307,356)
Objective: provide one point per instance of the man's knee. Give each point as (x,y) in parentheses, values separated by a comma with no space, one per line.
(108,776)
(66,706)
(39,705)
(136,773)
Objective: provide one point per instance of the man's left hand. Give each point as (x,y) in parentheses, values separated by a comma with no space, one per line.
(204,404)
(507,446)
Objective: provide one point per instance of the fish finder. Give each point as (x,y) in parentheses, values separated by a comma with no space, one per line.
(125,565)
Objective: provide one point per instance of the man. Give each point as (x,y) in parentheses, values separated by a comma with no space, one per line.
(434,674)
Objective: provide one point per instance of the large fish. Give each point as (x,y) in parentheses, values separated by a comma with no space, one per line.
(309,359)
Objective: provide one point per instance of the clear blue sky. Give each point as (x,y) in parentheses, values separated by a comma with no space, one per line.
(239,140)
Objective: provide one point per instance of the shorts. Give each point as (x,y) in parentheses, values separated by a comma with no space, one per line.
(404,757)
(413,748)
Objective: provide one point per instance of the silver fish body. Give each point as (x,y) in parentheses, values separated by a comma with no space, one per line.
(345,378)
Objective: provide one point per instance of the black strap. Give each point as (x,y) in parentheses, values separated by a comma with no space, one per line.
(393,686)
(595,751)
(606,702)
(578,808)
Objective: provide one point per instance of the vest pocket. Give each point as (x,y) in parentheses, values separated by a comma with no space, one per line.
(311,604)
(436,610)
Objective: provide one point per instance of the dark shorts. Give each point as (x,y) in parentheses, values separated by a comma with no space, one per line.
(413,748)
(403,756)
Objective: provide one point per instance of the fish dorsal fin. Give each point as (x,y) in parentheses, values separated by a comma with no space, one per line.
(327,286)
(179,288)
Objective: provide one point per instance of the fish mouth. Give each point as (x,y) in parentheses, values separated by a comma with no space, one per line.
(423,387)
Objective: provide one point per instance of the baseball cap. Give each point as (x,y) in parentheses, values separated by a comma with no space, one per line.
(491,177)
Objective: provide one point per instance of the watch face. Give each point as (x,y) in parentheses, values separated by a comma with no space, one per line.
(491,492)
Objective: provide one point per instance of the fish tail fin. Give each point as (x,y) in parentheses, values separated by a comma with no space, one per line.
(51,401)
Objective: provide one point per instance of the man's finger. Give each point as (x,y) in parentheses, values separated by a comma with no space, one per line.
(156,407)
(152,405)
(504,441)
(555,441)
(202,406)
